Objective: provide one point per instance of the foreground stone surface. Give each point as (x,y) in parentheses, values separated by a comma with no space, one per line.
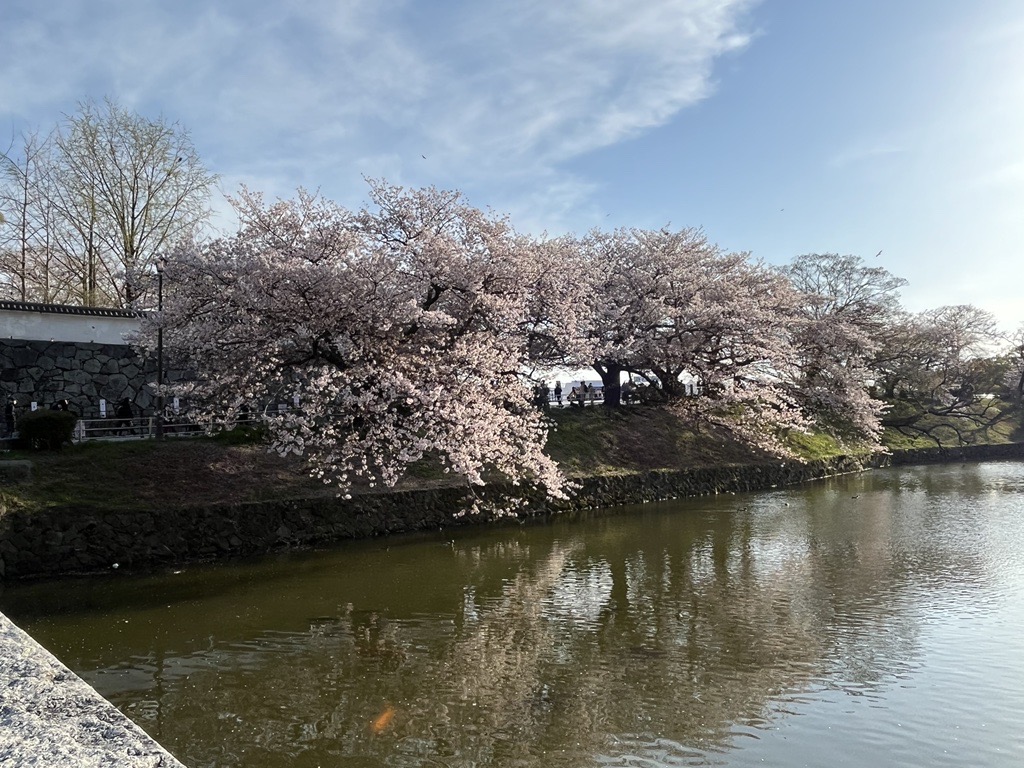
(50,717)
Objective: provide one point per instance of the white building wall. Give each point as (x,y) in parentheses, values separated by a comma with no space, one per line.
(47,326)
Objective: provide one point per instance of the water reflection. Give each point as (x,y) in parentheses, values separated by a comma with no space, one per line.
(681,634)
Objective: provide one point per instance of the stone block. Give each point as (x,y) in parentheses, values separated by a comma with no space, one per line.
(79,378)
(23,356)
(59,719)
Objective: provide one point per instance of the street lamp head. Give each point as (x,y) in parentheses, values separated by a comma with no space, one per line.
(161,264)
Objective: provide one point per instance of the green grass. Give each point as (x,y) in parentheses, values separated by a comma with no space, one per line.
(145,474)
(135,474)
(603,441)
(1005,425)
(816,445)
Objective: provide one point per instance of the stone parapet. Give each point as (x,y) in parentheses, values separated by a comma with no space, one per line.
(51,717)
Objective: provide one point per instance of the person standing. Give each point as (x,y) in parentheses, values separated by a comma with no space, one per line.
(9,415)
(125,417)
(558,393)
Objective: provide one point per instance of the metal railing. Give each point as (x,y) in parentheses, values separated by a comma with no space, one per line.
(140,428)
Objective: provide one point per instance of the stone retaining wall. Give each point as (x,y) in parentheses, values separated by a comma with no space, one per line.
(69,539)
(48,371)
(945,455)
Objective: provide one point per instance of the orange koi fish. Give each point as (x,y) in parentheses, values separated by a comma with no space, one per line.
(383,720)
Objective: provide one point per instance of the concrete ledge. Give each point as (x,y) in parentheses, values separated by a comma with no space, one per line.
(50,717)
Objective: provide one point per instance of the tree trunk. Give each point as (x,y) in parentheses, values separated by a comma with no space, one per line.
(610,374)
(671,388)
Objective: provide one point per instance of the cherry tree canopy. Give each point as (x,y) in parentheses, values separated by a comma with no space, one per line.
(846,305)
(403,329)
(668,303)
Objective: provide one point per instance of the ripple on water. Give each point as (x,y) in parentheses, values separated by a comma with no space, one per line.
(801,627)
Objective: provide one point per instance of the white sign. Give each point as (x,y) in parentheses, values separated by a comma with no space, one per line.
(103,408)
(34,405)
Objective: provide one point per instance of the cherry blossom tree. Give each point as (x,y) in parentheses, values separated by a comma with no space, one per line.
(670,303)
(403,329)
(559,297)
(846,305)
(961,335)
(937,355)
(935,365)
(1014,381)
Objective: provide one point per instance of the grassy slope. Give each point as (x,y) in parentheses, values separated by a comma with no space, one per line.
(177,472)
(1003,424)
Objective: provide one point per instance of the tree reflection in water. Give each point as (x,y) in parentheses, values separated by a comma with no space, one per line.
(664,635)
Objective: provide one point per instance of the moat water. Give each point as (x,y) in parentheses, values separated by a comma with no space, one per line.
(874,619)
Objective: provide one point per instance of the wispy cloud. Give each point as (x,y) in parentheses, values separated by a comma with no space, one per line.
(862,153)
(318,92)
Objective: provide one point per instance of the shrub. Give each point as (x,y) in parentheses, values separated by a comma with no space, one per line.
(242,434)
(46,430)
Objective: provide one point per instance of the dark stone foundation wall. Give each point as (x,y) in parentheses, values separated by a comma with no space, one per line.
(948,455)
(48,371)
(69,540)
(77,540)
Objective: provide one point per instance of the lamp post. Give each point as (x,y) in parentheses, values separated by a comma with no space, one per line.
(161,265)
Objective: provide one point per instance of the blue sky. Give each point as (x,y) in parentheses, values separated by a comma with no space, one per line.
(781,127)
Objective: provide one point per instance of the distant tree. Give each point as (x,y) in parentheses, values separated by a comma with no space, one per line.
(935,367)
(960,335)
(30,263)
(846,307)
(126,188)
(401,327)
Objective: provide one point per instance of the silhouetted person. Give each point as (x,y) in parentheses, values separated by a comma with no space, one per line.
(124,414)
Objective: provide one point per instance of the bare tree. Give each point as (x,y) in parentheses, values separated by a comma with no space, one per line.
(126,187)
(31,267)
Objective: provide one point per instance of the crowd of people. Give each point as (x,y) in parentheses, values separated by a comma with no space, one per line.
(578,396)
